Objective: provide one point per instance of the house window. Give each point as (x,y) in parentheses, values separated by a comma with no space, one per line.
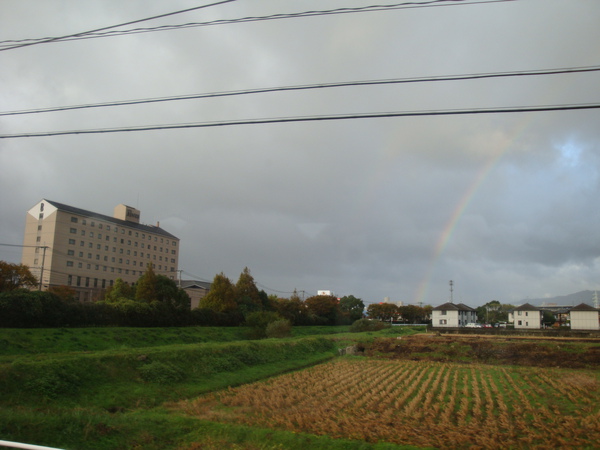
(526,313)
(519,313)
(444,313)
(443,322)
(520,322)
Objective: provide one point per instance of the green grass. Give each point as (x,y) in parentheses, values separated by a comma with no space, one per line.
(16,341)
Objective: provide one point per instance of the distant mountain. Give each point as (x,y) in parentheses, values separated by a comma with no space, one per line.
(565,300)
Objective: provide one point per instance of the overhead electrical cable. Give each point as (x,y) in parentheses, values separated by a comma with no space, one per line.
(9,44)
(475,76)
(379,115)
(84,33)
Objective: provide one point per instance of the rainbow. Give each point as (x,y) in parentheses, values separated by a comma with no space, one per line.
(459,210)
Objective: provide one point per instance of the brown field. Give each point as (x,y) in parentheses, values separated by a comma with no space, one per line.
(421,403)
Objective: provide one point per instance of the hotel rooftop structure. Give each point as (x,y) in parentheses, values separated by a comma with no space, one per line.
(87,251)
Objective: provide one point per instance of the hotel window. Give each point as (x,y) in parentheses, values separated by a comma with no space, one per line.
(78,281)
(107,227)
(89,256)
(73,230)
(98,247)
(81,254)
(81,244)
(74,219)
(99,236)
(100,225)
(91,234)
(69,263)
(83,232)
(92,224)
(87,281)
(128,242)
(72,241)
(71,252)
(136,234)
(89,267)
(80,265)
(90,245)
(69,280)
(84,221)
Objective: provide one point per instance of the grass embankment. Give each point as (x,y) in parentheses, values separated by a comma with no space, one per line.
(111,397)
(18,341)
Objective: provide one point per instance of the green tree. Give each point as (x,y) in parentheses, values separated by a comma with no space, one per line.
(292,309)
(247,294)
(119,291)
(412,314)
(382,311)
(169,293)
(324,306)
(145,289)
(352,306)
(221,296)
(493,312)
(15,276)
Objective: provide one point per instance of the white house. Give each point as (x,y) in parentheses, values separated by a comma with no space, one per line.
(452,315)
(527,317)
(584,317)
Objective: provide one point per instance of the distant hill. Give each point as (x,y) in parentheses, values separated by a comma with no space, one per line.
(565,300)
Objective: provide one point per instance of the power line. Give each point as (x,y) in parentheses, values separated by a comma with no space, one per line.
(460,77)
(380,115)
(9,44)
(84,33)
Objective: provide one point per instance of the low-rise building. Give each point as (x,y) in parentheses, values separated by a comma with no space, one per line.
(584,317)
(527,317)
(452,315)
(195,290)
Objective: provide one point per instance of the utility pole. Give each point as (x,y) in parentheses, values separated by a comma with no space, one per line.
(42,269)
(451,290)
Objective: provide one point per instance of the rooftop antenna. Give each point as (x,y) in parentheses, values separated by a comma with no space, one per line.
(451,296)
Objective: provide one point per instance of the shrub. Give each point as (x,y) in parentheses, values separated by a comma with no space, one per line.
(279,329)
(362,325)
(162,373)
(258,322)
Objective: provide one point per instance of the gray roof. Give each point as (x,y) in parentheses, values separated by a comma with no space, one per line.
(123,223)
(583,307)
(453,307)
(527,307)
(191,284)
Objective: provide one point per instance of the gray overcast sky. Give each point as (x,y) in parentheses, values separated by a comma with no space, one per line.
(505,205)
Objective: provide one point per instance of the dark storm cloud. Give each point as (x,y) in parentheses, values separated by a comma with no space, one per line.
(505,205)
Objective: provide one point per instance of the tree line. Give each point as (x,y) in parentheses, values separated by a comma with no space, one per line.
(156,300)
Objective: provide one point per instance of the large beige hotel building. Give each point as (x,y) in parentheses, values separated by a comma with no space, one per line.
(86,251)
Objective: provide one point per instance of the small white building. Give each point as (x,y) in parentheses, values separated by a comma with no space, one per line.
(527,317)
(452,315)
(584,317)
